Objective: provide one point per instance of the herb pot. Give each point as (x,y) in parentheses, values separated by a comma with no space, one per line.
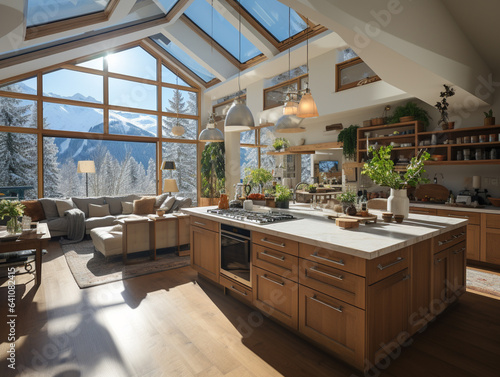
(282,204)
(490,121)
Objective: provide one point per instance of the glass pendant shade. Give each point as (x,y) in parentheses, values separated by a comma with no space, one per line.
(211,133)
(238,118)
(290,107)
(289,124)
(307,106)
(178,130)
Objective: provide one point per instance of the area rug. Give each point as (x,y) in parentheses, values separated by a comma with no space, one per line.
(483,282)
(90,267)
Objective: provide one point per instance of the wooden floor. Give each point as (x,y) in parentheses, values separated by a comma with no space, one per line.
(166,324)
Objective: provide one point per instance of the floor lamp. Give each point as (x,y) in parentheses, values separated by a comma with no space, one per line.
(86,167)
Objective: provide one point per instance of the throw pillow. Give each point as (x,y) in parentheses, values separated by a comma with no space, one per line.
(160,199)
(144,206)
(127,208)
(63,205)
(33,209)
(96,210)
(49,208)
(83,204)
(167,204)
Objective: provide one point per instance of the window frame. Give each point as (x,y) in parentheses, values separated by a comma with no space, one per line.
(347,64)
(296,80)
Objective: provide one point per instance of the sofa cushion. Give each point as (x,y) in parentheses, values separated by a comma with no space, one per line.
(160,199)
(97,222)
(168,203)
(96,210)
(33,209)
(144,206)
(83,204)
(49,208)
(63,205)
(180,203)
(57,224)
(107,240)
(115,202)
(127,208)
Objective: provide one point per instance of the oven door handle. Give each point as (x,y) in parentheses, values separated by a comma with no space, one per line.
(234,238)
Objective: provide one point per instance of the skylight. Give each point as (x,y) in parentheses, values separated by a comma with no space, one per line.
(273,16)
(42,12)
(225,34)
(183,57)
(166,5)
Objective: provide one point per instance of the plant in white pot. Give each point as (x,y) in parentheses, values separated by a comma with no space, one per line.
(381,171)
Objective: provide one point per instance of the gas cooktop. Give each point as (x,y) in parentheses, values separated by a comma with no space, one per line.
(253,216)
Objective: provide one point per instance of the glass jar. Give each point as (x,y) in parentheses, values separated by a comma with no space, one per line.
(459,156)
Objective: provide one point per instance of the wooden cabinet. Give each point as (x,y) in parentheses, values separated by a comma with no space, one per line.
(333,258)
(387,314)
(276,296)
(473,242)
(386,265)
(204,250)
(236,289)
(457,270)
(338,326)
(423,211)
(491,236)
(276,261)
(278,243)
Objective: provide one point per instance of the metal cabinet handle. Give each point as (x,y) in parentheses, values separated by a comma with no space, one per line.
(463,216)
(272,281)
(339,309)
(198,223)
(459,251)
(398,260)
(440,243)
(406,277)
(339,262)
(338,277)
(238,291)
(439,260)
(273,243)
(272,256)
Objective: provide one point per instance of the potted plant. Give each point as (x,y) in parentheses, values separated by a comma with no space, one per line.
(213,173)
(489,119)
(282,196)
(442,107)
(311,188)
(381,171)
(348,137)
(14,209)
(280,143)
(347,199)
(409,112)
(257,177)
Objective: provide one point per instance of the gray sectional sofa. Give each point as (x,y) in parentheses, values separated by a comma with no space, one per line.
(57,222)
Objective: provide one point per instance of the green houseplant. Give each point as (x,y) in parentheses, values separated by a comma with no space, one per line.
(381,171)
(411,109)
(349,137)
(213,173)
(257,177)
(311,188)
(489,119)
(14,209)
(280,143)
(282,196)
(442,107)
(348,199)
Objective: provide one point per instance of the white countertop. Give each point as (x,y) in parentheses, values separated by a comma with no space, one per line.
(368,241)
(485,209)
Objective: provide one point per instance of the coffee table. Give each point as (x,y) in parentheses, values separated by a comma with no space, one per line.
(38,243)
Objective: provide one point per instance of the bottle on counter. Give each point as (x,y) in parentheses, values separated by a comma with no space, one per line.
(451,198)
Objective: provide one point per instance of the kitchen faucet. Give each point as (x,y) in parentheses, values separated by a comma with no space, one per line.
(295,190)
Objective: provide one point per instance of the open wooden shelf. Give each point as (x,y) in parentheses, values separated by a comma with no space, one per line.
(308,149)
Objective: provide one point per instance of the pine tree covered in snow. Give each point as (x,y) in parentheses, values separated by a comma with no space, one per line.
(185,173)
(176,105)
(70,183)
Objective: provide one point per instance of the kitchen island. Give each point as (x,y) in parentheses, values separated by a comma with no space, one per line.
(359,294)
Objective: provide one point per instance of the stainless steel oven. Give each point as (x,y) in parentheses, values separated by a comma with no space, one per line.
(235,253)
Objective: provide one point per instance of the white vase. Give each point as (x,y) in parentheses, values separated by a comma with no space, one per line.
(398,203)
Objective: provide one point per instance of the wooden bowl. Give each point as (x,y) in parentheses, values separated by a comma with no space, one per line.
(495,201)
(399,218)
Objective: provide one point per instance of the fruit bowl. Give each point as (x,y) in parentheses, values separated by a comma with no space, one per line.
(495,201)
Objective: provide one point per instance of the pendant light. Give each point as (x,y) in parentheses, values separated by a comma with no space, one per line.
(211,133)
(177,129)
(291,106)
(289,124)
(307,106)
(239,117)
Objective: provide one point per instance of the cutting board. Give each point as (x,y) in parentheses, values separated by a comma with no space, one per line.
(431,190)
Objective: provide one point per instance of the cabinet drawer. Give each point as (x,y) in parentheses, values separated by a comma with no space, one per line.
(338,326)
(276,296)
(333,259)
(339,284)
(276,261)
(423,211)
(492,221)
(444,241)
(238,290)
(387,265)
(204,223)
(276,243)
(473,217)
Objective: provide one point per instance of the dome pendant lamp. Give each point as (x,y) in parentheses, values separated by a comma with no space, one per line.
(211,133)
(239,117)
(307,106)
(288,124)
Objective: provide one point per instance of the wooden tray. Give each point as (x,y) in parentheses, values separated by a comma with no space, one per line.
(362,220)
